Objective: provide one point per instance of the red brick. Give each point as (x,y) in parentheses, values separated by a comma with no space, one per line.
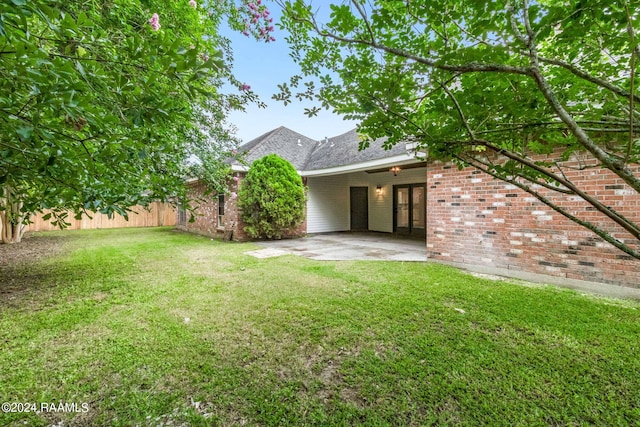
(607,266)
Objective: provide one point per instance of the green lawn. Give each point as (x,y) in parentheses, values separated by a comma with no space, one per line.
(157,327)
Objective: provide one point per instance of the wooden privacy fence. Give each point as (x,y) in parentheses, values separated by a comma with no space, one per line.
(159,214)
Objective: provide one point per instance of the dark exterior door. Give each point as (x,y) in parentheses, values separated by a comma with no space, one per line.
(359,208)
(409,209)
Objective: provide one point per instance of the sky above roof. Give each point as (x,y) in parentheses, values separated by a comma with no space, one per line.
(263,66)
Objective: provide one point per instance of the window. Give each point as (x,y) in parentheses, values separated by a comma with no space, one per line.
(182,215)
(221,210)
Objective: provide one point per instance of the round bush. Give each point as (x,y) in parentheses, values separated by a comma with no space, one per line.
(272,198)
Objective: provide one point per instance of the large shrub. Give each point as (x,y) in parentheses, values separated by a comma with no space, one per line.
(272,198)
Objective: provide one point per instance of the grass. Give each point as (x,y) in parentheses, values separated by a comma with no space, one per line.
(157,327)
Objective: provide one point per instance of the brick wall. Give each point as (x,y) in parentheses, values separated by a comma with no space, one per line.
(475,219)
(234,220)
(206,218)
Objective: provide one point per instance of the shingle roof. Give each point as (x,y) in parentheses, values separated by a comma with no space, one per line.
(288,144)
(344,150)
(307,154)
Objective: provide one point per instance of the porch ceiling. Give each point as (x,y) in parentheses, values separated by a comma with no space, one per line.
(403,167)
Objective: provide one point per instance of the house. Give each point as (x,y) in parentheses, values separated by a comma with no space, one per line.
(466,218)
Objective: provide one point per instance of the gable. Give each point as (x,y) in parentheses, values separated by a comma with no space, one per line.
(344,150)
(290,145)
(307,154)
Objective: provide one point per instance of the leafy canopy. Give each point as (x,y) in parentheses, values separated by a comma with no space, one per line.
(272,198)
(102,103)
(474,81)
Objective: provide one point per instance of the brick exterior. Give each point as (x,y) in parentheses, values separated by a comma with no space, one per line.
(206,218)
(475,219)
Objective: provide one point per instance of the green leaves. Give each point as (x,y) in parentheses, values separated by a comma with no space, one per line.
(25,132)
(341,18)
(474,79)
(87,86)
(433,70)
(272,198)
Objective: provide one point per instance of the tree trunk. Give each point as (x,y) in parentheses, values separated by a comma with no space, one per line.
(12,226)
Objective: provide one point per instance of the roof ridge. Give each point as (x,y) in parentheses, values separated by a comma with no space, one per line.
(311,153)
(320,142)
(315,142)
(256,142)
(344,133)
(315,145)
(274,132)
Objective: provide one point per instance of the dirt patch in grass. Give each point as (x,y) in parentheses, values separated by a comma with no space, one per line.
(326,367)
(32,248)
(19,269)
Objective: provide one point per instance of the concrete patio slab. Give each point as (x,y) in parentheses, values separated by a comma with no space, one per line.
(347,246)
(268,253)
(385,247)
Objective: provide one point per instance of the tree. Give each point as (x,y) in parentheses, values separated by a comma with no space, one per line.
(475,81)
(103,102)
(272,198)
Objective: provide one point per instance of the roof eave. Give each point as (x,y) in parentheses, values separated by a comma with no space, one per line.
(399,160)
(239,168)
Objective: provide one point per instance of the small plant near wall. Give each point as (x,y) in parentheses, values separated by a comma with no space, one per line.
(272,198)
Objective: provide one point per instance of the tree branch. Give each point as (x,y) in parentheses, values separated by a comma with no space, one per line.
(634,53)
(18,149)
(616,165)
(625,223)
(590,226)
(364,18)
(630,31)
(30,169)
(590,78)
(463,119)
(531,41)
(556,126)
(514,24)
(527,178)
(463,68)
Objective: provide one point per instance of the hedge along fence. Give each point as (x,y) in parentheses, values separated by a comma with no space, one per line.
(159,214)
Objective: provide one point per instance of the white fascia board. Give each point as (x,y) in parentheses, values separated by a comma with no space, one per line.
(402,159)
(412,147)
(239,168)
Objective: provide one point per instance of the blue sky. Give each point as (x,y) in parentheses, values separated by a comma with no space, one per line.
(263,66)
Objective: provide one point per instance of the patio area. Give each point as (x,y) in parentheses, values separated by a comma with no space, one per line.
(346,246)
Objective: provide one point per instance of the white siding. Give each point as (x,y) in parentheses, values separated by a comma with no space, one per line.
(327,204)
(381,208)
(328,199)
